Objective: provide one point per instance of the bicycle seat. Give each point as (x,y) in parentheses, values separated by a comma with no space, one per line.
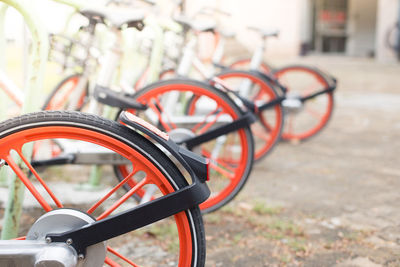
(265,32)
(199,26)
(116,17)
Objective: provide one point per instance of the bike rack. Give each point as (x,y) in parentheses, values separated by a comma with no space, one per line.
(35,75)
(3,98)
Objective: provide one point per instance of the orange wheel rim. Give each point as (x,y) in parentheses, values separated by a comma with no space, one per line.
(15,141)
(322,116)
(240,162)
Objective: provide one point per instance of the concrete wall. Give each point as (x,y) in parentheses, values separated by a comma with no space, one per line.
(386,17)
(361,27)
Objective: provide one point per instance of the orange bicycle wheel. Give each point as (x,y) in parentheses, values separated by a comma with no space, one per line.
(311,116)
(178,240)
(231,154)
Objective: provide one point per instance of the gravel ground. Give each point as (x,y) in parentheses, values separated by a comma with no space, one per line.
(330,201)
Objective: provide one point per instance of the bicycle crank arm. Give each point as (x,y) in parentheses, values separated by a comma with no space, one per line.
(36,253)
(134,218)
(270,104)
(327,90)
(332,81)
(244,121)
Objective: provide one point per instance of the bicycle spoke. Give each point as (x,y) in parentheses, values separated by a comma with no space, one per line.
(261,134)
(166,114)
(41,181)
(109,249)
(290,123)
(111,263)
(284,81)
(211,123)
(198,125)
(314,113)
(157,112)
(221,170)
(266,125)
(311,89)
(98,203)
(17,170)
(123,198)
(219,161)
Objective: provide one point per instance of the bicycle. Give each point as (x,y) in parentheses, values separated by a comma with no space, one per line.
(299,85)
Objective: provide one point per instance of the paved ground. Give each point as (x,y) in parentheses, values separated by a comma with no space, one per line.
(331,201)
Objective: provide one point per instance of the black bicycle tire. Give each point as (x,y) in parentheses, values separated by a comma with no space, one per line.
(271,87)
(130,138)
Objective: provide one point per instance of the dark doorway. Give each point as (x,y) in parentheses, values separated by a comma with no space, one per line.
(329,25)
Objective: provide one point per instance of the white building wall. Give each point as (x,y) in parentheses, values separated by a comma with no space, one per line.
(306,20)
(361,27)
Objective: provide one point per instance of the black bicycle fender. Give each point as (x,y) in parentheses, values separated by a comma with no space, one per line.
(197,166)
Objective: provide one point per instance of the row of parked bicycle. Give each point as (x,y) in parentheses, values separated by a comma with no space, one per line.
(177,145)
